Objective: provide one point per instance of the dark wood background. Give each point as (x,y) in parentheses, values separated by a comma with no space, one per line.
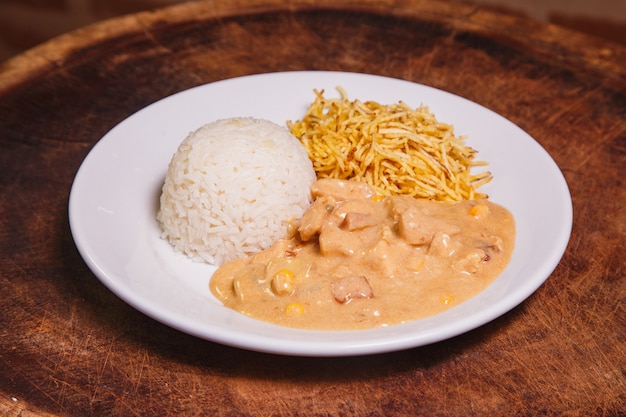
(27,23)
(70,347)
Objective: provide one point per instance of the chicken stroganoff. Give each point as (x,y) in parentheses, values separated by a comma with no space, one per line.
(359,260)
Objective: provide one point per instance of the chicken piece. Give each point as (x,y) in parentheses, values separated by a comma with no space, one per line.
(348,288)
(315,217)
(282,248)
(416,227)
(335,241)
(341,189)
(356,221)
(360,213)
(471,262)
(442,245)
(247,280)
(390,259)
(492,243)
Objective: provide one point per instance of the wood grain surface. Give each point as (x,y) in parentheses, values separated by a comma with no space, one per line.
(70,347)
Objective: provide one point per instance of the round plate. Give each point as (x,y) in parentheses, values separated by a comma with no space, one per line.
(115,196)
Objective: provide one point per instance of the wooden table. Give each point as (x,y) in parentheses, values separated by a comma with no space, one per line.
(69,346)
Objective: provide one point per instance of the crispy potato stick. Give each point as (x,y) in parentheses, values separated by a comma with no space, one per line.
(393,148)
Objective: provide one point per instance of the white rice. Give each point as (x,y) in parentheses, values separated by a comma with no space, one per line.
(232,188)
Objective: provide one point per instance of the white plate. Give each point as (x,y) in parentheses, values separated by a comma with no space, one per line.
(115,194)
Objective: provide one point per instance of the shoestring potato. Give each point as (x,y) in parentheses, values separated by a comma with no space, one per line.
(396,149)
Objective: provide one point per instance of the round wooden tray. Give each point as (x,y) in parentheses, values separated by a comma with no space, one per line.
(71,347)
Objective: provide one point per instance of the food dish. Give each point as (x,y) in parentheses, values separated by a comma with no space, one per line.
(115,194)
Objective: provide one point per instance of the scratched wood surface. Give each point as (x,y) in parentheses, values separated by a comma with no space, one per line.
(70,347)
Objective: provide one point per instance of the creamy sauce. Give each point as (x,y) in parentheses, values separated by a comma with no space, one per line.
(359,261)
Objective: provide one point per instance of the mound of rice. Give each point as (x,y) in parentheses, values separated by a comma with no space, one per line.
(232,188)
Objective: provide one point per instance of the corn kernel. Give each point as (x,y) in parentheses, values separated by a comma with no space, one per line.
(479,210)
(283,282)
(448,299)
(294,309)
(378,197)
